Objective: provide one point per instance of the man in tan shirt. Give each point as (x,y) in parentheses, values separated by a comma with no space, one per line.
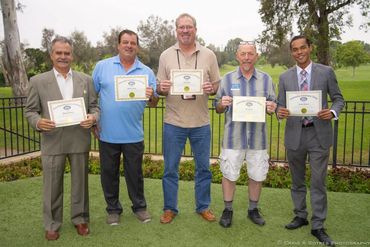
(186,117)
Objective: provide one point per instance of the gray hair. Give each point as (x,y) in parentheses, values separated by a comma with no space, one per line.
(61,39)
(186,15)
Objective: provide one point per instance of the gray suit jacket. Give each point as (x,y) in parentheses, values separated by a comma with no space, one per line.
(61,140)
(324,79)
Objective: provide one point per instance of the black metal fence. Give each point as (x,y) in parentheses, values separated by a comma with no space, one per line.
(351,133)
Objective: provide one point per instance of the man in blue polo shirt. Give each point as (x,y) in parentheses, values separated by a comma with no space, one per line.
(120,127)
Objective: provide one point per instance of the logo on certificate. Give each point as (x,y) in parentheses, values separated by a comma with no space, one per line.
(66,107)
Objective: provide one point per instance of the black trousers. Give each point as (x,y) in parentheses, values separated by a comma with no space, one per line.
(110,154)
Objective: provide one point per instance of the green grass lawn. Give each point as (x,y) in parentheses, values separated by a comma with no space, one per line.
(21,219)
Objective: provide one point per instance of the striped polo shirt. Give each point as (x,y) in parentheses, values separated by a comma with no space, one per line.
(245,135)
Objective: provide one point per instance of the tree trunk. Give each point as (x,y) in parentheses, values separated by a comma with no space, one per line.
(13,67)
(323,56)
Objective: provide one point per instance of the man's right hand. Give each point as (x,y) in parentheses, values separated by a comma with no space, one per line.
(45,124)
(164,86)
(283,113)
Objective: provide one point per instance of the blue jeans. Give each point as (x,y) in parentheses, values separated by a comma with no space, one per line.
(174,139)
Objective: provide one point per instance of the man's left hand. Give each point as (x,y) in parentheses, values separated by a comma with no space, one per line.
(270,107)
(325,114)
(90,121)
(208,88)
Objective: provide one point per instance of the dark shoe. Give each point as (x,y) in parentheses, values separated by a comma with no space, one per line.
(208,215)
(226,218)
(113,219)
(51,235)
(255,217)
(82,229)
(143,216)
(323,237)
(297,222)
(167,217)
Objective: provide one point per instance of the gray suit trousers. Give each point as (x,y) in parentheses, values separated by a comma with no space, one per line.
(53,174)
(318,160)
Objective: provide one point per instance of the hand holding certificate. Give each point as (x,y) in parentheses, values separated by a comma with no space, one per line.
(187,82)
(130,87)
(303,103)
(249,109)
(67,112)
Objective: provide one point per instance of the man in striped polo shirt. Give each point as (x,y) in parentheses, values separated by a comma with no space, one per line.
(244,140)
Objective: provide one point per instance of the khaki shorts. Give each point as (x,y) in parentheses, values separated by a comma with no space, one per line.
(231,162)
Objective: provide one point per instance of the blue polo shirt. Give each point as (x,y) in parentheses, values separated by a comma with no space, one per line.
(120,121)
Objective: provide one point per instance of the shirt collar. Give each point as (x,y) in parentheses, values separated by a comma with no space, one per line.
(197,46)
(57,74)
(136,64)
(240,74)
(307,69)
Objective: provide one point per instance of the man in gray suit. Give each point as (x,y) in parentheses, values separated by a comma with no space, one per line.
(310,137)
(59,143)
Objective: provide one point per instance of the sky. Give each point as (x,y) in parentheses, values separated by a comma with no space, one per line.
(217,21)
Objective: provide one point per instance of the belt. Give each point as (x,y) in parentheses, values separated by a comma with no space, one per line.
(307,125)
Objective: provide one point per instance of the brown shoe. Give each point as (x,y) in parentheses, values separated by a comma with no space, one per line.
(167,216)
(51,235)
(208,215)
(82,229)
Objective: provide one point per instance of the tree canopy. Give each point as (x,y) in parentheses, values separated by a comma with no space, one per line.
(319,20)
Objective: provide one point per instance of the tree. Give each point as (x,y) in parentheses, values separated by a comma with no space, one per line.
(108,47)
(231,47)
(156,35)
(220,55)
(13,67)
(47,37)
(279,55)
(352,54)
(36,61)
(84,55)
(320,20)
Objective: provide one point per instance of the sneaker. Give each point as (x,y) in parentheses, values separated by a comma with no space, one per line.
(226,218)
(113,219)
(143,216)
(255,217)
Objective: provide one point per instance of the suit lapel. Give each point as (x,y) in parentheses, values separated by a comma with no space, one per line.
(78,86)
(313,83)
(52,87)
(294,79)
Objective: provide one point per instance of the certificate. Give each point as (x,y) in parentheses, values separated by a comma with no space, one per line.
(130,87)
(187,81)
(67,112)
(303,103)
(249,109)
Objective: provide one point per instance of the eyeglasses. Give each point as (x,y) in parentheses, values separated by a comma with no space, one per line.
(188,27)
(247,42)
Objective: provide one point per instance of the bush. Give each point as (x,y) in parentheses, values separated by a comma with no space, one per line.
(339,179)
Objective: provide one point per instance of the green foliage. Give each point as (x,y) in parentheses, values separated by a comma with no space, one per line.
(339,179)
(156,35)
(352,54)
(319,20)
